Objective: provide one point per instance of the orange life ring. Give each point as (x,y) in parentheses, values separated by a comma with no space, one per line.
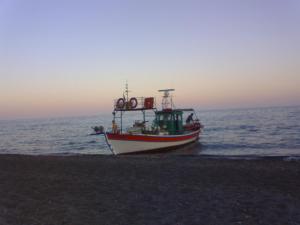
(133,103)
(120,103)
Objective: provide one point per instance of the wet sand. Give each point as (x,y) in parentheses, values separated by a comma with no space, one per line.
(146,190)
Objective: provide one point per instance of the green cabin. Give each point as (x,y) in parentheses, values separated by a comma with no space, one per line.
(170,121)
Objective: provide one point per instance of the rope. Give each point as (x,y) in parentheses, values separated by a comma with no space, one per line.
(109,146)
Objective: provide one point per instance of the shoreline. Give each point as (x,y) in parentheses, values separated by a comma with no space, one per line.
(148,189)
(292,157)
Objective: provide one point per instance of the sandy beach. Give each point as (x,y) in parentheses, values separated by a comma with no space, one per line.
(145,189)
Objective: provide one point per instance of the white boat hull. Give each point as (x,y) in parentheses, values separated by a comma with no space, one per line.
(130,146)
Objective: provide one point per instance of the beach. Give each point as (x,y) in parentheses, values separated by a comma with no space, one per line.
(148,189)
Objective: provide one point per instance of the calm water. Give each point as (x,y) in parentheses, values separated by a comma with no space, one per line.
(261,132)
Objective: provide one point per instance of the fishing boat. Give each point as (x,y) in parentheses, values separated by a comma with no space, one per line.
(167,131)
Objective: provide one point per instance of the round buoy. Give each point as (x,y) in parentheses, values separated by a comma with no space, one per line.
(133,103)
(120,103)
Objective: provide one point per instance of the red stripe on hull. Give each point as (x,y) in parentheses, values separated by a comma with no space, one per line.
(130,137)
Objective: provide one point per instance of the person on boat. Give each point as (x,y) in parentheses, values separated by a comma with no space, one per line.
(190,118)
(114,127)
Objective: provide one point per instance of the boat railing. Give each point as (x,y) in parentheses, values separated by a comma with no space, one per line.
(135,104)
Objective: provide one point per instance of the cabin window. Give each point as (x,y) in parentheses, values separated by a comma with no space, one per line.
(167,117)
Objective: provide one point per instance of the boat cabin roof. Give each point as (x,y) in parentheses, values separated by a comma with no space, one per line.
(186,110)
(173,111)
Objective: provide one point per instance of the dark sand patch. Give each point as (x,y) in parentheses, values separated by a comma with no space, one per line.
(147,190)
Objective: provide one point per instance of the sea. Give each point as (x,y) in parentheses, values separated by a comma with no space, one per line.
(272,131)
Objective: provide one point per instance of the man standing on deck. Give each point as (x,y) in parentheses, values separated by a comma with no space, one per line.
(190,118)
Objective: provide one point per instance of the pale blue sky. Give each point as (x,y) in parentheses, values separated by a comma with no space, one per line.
(73,57)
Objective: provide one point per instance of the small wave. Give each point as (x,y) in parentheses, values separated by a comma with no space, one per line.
(248,128)
(292,158)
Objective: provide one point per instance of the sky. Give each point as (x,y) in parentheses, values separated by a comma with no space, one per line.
(69,58)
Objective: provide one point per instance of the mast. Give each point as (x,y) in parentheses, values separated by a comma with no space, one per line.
(126,92)
(126,98)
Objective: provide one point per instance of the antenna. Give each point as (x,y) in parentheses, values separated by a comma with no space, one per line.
(167,100)
(126,90)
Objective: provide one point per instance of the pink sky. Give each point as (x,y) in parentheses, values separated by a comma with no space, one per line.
(62,58)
